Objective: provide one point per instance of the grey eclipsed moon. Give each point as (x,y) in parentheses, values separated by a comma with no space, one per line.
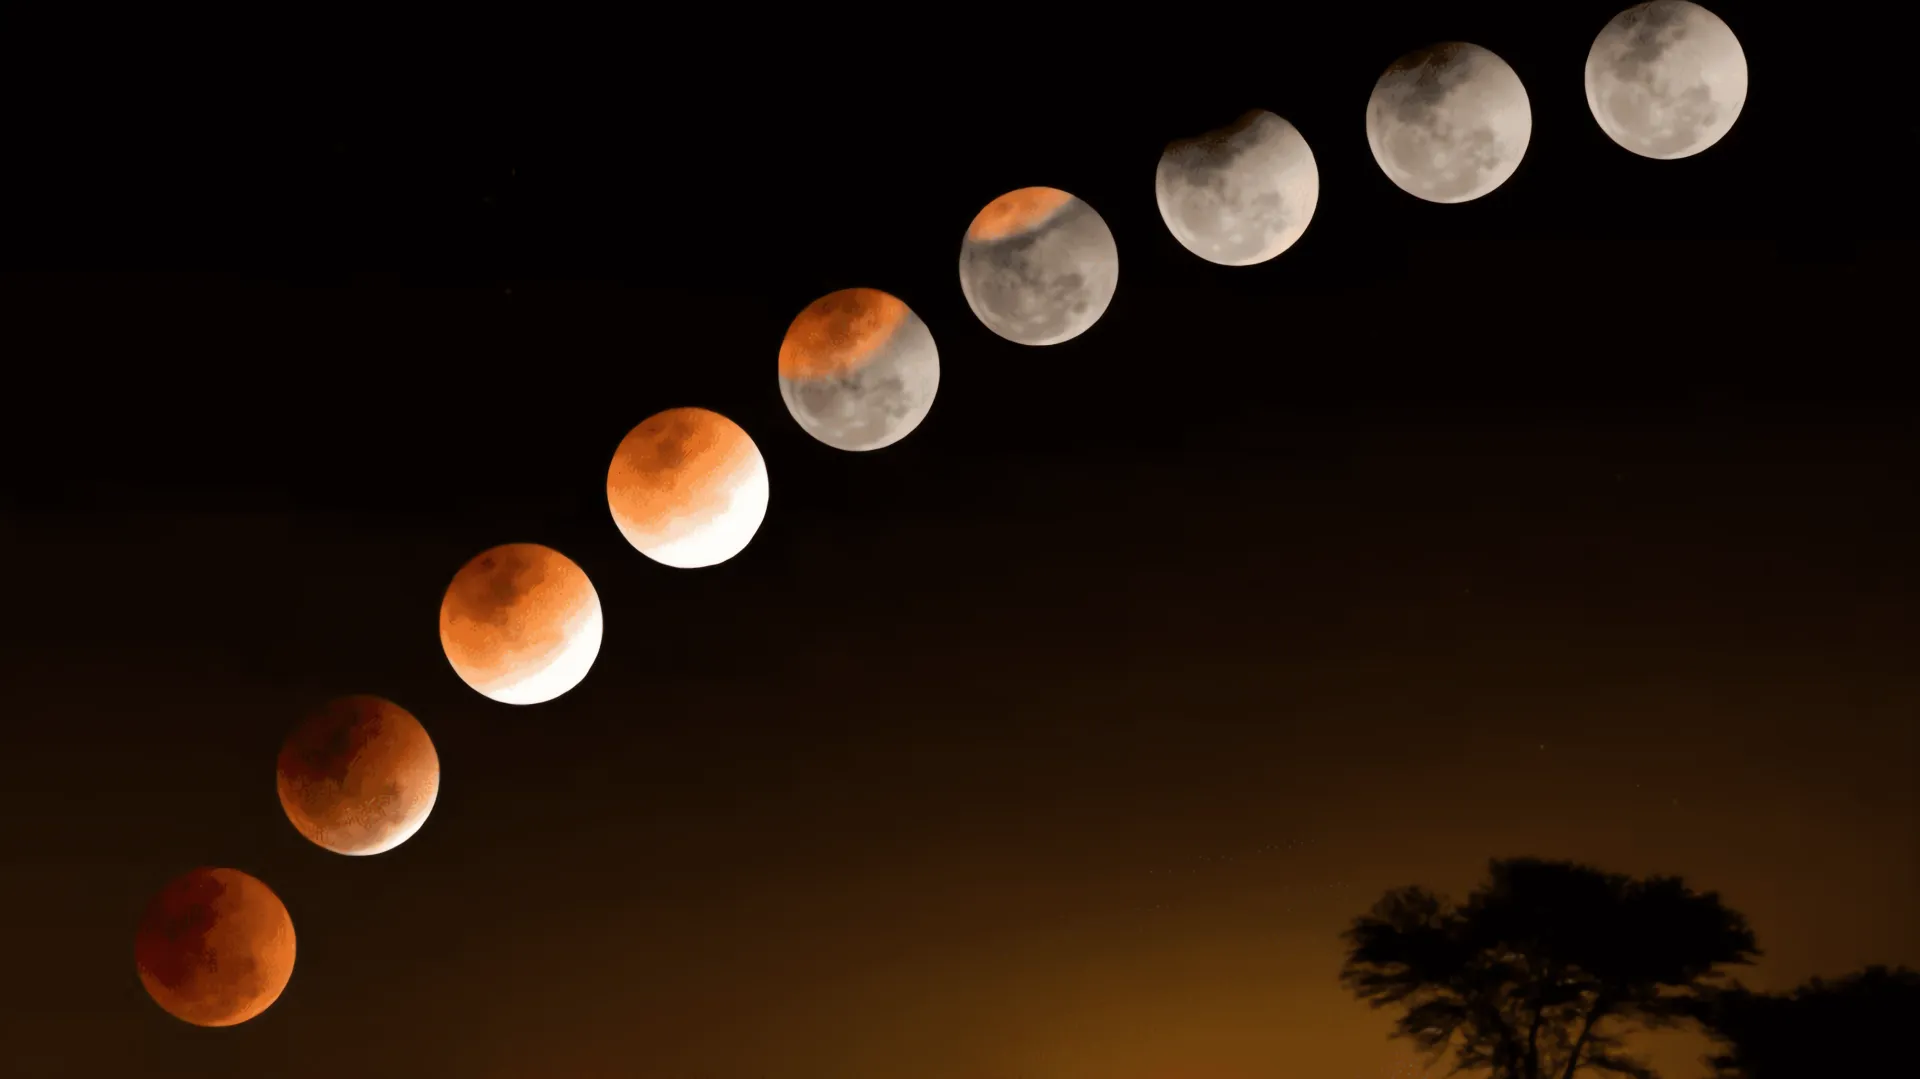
(1038,266)
(1666,79)
(858,369)
(1240,195)
(1449,123)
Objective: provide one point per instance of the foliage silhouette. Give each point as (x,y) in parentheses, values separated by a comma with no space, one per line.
(1545,967)
(1856,1025)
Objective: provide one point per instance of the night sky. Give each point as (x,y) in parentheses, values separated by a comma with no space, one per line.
(1061,739)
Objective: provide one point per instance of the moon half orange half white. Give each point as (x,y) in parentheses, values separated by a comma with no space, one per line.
(521,623)
(687,488)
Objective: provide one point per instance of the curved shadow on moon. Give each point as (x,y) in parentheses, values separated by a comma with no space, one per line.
(521,624)
(858,369)
(688,488)
(1038,266)
(1449,123)
(1241,195)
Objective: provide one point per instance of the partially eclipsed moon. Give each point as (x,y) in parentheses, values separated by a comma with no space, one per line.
(1240,195)
(214,947)
(358,776)
(521,623)
(1666,79)
(688,488)
(858,369)
(1449,123)
(1038,266)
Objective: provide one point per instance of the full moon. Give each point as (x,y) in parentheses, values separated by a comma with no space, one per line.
(215,947)
(1239,195)
(1666,79)
(1038,266)
(358,776)
(688,488)
(858,369)
(1449,123)
(521,623)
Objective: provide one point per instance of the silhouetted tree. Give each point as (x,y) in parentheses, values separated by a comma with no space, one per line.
(1544,968)
(1859,1025)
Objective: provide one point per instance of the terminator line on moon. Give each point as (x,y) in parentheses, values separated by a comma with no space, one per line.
(521,623)
(1038,266)
(858,369)
(1666,79)
(688,488)
(358,776)
(215,947)
(1449,123)
(1240,195)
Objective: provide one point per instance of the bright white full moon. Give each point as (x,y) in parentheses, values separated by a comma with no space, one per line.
(1449,123)
(1240,195)
(1666,79)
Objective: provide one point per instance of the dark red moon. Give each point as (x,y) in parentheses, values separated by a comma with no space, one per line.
(215,947)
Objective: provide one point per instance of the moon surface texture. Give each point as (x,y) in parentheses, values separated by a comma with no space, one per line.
(521,623)
(1449,123)
(358,776)
(858,369)
(1239,195)
(688,488)
(1666,79)
(1038,266)
(214,947)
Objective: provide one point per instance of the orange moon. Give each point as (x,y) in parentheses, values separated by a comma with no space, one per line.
(215,947)
(688,488)
(358,776)
(521,623)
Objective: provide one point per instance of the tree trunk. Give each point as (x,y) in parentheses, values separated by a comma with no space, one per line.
(1586,1027)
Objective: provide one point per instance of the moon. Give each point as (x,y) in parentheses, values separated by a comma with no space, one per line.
(214,947)
(358,776)
(1240,195)
(521,623)
(858,369)
(1449,123)
(688,488)
(1038,266)
(1667,79)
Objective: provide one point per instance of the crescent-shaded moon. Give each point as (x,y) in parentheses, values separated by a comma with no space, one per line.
(1038,266)
(358,776)
(521,623)
(688,488)
(1449,123)
(1240,195)
(215,947)
(858,369)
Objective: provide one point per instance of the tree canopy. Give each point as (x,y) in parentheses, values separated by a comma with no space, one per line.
(1545,967)
(1851,1026)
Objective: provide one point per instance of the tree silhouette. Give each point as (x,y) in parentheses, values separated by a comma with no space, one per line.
(1545,967)
(1853,1026)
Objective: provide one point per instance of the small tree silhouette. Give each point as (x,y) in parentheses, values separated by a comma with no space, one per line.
(1545,967)
(1852,1026)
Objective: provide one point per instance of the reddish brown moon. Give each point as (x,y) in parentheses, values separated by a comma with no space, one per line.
(1015,212)
(521,623)
(215,947)
(358,776)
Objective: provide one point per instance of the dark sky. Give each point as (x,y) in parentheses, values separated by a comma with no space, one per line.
(1061,739)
